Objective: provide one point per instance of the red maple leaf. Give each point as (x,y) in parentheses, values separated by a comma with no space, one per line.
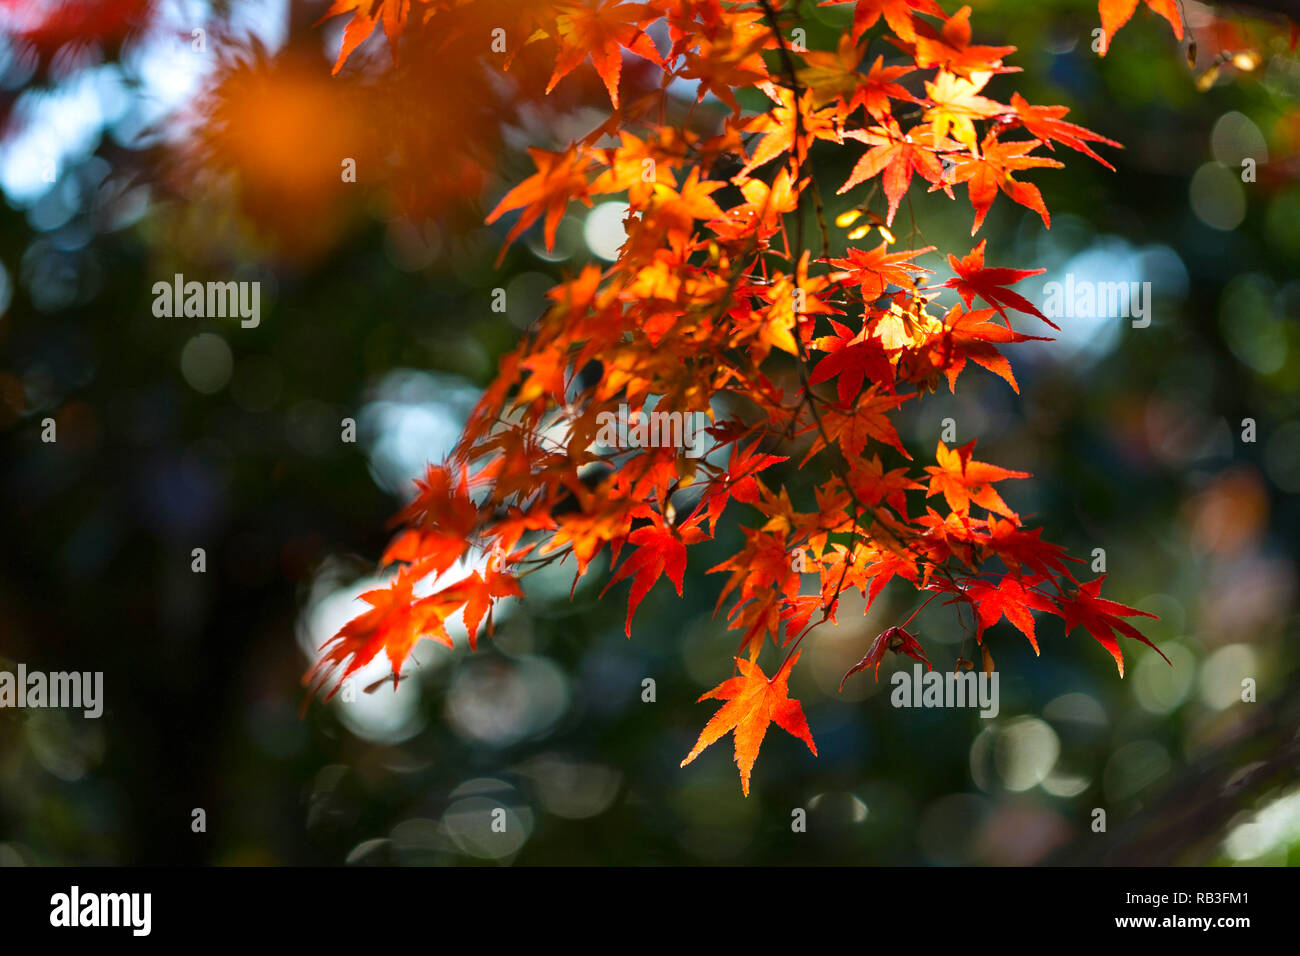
(971,335)
(852,357)
(1012,598)
(1023,547)
(660,549)
(974,279)
(738,481)
(891,639)
(1102,619)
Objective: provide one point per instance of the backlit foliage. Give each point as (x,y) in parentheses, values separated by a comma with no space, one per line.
(726,302)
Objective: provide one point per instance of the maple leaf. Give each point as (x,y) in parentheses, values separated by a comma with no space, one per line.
(950,48)
(868,418)
(560,177)
(963,480)
(894,639)
(971,335)
(394,622)
(897,155)
(1046,123)
(853,357)
(798,613)
(480,593)
(1116,13)
(985,175)
(868,568)
(904,326)
(1102,619)
(1025,547)
(738,481)
(1011,598)
(439,520)
(753,703)
(897,13)
(873,270)
(957,104)
(366,15)
(784,128)
(675,212)
(877,88)
(832,76)
(974,279)
(873,485)
(725,55)
(660,549)
(600,32)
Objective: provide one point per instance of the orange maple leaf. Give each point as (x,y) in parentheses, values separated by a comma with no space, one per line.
(950,48)
(874,270)
(600,33)
(898,156)
(560,177)
(897,13)
(366,15)
(1047,124)
(753,703)
(985,175)
(784,127)
(393,623)
(962,480)
(833,76)
(1116,13)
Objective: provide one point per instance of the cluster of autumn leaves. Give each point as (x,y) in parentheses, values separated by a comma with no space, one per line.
(718,305)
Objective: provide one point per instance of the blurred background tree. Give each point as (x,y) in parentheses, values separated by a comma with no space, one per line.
(145,138)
